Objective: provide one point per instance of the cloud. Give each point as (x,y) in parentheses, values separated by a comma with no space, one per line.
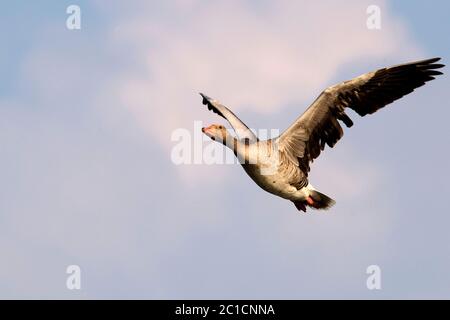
(256,59)
(251,57)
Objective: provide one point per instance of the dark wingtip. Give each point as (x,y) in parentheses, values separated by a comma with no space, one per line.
(206,99)
(433,60)
(432,63)
(428,61)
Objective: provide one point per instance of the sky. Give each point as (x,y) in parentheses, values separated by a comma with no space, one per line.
(87,178)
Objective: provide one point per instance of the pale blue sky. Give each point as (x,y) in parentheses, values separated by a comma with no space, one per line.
(86,176)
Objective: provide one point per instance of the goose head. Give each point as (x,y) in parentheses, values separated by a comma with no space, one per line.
(220,134)
(216,132)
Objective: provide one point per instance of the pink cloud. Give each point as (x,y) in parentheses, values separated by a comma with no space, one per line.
(251,58)
(257,58)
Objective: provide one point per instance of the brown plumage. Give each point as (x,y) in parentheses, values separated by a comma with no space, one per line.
(319,125)
(288,157)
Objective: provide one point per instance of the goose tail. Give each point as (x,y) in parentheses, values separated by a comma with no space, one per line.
(318,200)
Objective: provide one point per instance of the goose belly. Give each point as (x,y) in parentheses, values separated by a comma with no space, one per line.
(273,183)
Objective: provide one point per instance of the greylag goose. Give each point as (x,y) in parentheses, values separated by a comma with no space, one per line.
(281,165)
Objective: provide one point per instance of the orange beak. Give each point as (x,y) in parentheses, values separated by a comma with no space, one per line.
(206,129)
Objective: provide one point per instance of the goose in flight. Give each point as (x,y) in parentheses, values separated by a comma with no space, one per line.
(281,165)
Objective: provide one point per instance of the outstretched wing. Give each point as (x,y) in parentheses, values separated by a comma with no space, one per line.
(319,125)
(242,131)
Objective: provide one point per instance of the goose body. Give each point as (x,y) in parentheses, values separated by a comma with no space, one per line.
(280,166)
(283,180)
